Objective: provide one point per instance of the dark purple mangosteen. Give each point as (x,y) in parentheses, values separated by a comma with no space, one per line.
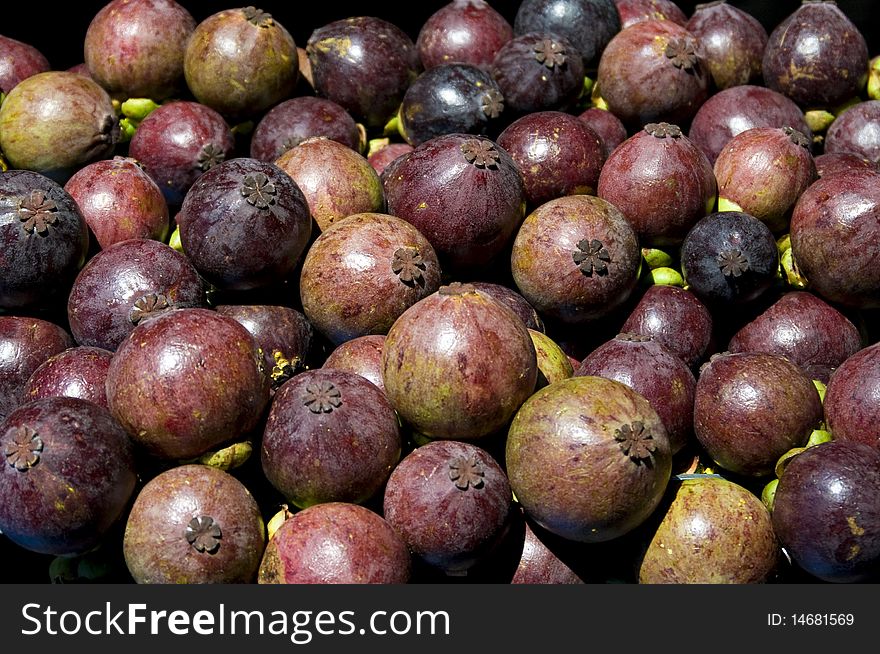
(178,142)
(661,181)
(126,284)
(292,121)
(634,11)
(857,130)
(244,224)
(76,372)
(851,411)
(19,60)
(557,154)
(607,126)
(362,356)
(463,31)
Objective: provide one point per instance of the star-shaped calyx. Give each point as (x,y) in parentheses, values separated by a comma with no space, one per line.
(732,263)
(662,130)
(549,52)
(37,212)
(23,449)
(635,441)
(481,153)
(258,190)
(257,17)
(591,256)
(466,472)
(682,54)
(797,137)
(408,265)
(210,155)
(322,397)
(204,534)
(493,103)
(147,306)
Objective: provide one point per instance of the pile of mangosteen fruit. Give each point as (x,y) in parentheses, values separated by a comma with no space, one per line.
(551,292)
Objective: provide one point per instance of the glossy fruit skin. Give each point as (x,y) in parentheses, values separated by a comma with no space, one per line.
(545,559)
(292,121)
(716,236)
(382,158)
(178,142)
(568,470)
(805,329)
(857,130)
(240,62)
(18,61)
(514,301)
(448,99)
(733,42)
(244,224)
(335,543)
(468,211)
(43,237)
(634,11)
(714,531)
(75,372)
(335,180)
(365,64)
(557,154)
(544,260)
(56,107)
(362,356)
(135,48)
(317,448)
(638,179)
(736,109)
(80,480)
(538,71)
(458,364)
(462,31)
(195,383)
(450,501)
(826,508)
(588,24)
(607,126)
(816,56)
(112,293)
(832,163)
(676,319)
(654,372)
(119,201)
(850,409)
(764,171)
(25,343)
(640,79)
(751,408)
(349,285)
(155,544)
(831,220)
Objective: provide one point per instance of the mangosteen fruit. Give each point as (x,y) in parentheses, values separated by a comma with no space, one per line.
(826,509)
(330,436)
(661,181)
(335,180)
(68,474)
(557,154)
(588,458)
(365,64)
(514,301)
(464,193)
(576,259)
(856,130)
(335,543)
(126,284)
(79,371)
(546,559)
(806,330)
(361,355)
(194,524)
(676,319)
(45,240)
(656,373)
(831,163)
(763,171)
(634,11)
(729,256)
(135,48)
(462,31)
(382,152)
(751,408)
(119,201)
(608,128)
(713,531)
(364,271)
(240,62)
(19,60)
(186,381)
(450,502)
(851,411)
(53,108)
(816,56)
(653,71)
(244,224)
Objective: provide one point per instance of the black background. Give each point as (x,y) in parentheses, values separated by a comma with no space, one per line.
(58,29)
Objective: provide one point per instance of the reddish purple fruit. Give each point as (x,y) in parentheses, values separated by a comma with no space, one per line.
(76,372)
(634,11)
(382,157)
(661,181)
(335,543)
(857,131)
(514,301)
(851,411)
(194,524)
(751,408)
(119,201)
(607,126)
(832,163)
(19,61)
(362,356)
(450,502)
(66,477)
(463,31)
(557,154)
(330,436)
(546,559)
(187,381)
